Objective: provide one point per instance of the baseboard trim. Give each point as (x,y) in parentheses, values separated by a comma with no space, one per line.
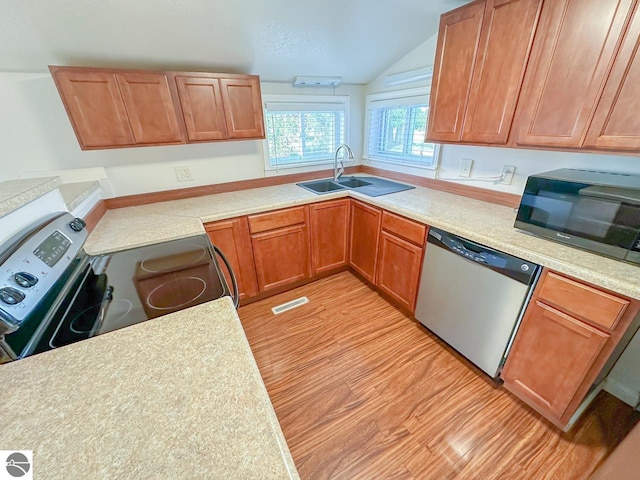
(621,392)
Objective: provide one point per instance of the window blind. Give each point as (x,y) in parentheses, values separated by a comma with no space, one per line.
(397,128)
(302,133)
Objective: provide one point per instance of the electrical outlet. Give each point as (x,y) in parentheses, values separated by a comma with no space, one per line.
(508,171)
(183,174)
(465,167)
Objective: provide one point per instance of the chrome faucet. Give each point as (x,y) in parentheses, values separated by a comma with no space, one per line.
(338,173)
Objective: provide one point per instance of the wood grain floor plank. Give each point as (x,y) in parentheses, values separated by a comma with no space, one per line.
(363,391)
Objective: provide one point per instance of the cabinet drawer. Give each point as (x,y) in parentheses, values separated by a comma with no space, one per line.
(407,229)
(582,301)
(263,222)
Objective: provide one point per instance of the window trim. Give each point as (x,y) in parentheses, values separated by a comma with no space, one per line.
(303,99)
(421,93)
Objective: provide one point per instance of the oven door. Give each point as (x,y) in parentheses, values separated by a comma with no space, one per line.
(599,218)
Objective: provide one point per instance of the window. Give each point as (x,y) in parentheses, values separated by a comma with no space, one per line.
(396,127)
(303,129)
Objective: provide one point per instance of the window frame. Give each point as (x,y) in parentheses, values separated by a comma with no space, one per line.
(302,99)
(421,96)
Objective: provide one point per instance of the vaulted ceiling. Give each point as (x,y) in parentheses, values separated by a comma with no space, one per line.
(276,39)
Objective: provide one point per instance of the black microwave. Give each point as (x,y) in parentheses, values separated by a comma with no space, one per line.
(592,210)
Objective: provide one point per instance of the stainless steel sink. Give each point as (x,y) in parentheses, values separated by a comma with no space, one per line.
(371,186)
(321,186)
(354,182)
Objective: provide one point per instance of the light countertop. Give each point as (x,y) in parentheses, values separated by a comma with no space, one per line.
(16,193)
(176,397)
(479,221)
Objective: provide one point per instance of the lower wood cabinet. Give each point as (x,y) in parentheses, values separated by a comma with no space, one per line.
(329,235)
(562,345)
(399,266)
(364,236)
(551,357)
(232,237)
(400,258)
(282,254)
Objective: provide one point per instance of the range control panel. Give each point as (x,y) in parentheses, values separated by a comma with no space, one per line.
(36,265)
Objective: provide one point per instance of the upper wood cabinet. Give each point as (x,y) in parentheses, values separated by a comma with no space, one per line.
(571,58)
(329,235)
(219,107)
(482,53)
(616,123)
(458,43)
(95,107)
(111,108)
(150,107)
(201,103)
(243,107)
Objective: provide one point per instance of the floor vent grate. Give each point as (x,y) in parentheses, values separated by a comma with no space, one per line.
(289,305)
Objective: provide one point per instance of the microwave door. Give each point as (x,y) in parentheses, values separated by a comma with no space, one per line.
(626,195)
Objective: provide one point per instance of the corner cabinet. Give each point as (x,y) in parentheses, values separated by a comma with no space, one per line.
(363,239)
(114,108)
(482,53)
(329,235)
(568,333)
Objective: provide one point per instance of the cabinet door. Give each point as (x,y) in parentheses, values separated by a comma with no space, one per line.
(201,103)
(505,43)
(232,237)
(242,107)
(399,265)
(282,256)
(365,226)
(616,124)
(458,41)
(551,356)
(95,107)
(150,107)
(571,57)
(329,235)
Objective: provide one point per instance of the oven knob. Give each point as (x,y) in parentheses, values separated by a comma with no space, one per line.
(77,224)
(11,296)
(25,279)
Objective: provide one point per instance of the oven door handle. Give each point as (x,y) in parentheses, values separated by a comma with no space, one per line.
(236,294)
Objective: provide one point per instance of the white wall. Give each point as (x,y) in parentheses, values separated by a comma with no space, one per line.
(36,137)
(624,379)
(488,161)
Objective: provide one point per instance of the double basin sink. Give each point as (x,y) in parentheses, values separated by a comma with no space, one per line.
(371,186)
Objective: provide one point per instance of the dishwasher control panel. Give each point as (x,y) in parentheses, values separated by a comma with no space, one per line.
(509,265)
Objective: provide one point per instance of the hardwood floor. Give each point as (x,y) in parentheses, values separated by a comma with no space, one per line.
(363,391)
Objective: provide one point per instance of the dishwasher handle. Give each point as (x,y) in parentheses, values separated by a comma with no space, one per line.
(513,267)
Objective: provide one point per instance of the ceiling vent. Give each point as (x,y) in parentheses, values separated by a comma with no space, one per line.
(316,81)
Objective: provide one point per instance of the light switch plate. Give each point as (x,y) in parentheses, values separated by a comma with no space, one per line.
(465,167)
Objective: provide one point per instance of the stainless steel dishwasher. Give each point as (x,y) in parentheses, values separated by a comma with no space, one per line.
(473,297)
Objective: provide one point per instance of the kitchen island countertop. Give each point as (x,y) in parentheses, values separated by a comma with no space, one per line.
(176,397)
